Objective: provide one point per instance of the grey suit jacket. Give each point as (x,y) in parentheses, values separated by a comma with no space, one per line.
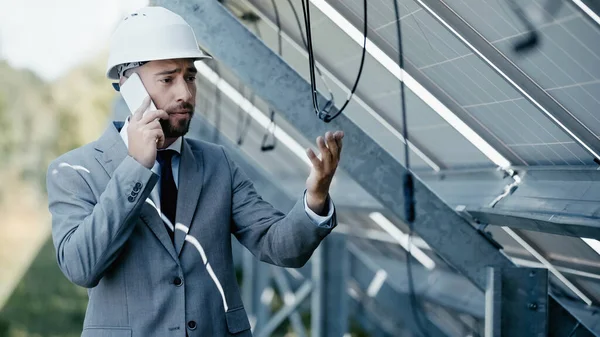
(110,240)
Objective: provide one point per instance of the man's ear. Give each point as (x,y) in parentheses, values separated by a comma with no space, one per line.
(117,86)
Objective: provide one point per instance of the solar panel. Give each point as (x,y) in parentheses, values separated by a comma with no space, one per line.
(482,93)
(565,64)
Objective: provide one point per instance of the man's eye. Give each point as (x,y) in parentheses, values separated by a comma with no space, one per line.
(191,78)
(166,80)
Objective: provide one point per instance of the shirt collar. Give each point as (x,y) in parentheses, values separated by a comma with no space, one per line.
(176,146)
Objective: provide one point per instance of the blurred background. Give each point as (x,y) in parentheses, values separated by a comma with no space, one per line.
(54,97)
(503,118)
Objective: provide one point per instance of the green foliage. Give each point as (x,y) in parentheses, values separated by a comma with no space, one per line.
(44,303)
(38,122)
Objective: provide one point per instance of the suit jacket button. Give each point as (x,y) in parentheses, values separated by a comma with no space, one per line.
(131,198)
(134,193)
(137,187)
(192,325)
(177,281)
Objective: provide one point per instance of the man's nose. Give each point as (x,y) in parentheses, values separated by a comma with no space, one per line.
(184,93)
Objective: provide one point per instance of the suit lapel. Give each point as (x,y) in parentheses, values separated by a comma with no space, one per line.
(111,152)
(191,176)
(150,217)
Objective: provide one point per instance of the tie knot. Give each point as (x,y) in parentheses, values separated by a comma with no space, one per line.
(164,156)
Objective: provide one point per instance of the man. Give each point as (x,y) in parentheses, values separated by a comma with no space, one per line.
(143,216)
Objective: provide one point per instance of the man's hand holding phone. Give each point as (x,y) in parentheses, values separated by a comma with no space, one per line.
(145,134)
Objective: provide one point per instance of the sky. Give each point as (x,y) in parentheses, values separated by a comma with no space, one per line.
(52,36)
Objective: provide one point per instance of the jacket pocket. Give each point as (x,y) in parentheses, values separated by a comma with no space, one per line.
(237,320)
(106,332)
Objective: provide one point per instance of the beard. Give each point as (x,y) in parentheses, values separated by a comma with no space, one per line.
(181,126)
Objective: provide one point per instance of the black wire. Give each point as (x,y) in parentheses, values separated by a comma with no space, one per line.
(306,47)
(306,12)
(278,22)
(323,114)
(242,129)
(272,125)
(270,131)
(409,204)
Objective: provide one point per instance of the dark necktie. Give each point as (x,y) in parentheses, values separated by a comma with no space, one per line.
(168,190)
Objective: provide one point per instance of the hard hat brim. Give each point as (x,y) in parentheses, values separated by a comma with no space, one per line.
(192,54)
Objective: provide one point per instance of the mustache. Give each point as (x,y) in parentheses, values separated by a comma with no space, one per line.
(182,106)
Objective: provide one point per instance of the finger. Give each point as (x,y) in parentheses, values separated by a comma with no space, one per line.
(339,135)
(317,164)
(150,116)
(325,153)
(332,145)
(139,113)
(156,135)
(160,141)
(154,125)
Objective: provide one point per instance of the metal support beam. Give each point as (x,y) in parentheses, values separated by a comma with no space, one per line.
(504,67)
(561,201)
(517,303)
(436,286)
(576,226)
(372,317)
(255,285)
(395,304)
(287,310)
(330,268)
(368,164)
(288,298)
(590,8)
(562,323)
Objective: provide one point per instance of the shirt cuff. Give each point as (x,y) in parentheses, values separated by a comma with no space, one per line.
(318,220)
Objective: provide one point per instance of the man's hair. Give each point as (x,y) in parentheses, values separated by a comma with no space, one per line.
(123,69)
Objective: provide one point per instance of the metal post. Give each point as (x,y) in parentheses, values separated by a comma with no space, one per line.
(287,310)
(392,303)
(288,298)
(517,303)
(255,288)
(329,315)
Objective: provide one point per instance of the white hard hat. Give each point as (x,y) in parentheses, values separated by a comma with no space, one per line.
(152,33)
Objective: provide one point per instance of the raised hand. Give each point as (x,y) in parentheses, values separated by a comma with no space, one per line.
(145,134)
(323,170)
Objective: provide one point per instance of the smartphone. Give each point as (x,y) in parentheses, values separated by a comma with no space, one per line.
(134,93)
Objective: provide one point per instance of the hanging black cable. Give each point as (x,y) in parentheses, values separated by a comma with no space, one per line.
(532,39)
(408,188)
(306,47)
(278,22)
(270,131)
(323,114)
(244,118)
(272,125)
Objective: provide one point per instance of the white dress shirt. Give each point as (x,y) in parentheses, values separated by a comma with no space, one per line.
(321,221)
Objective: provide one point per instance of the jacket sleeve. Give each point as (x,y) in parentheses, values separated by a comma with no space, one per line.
(273,237)
(88,231)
